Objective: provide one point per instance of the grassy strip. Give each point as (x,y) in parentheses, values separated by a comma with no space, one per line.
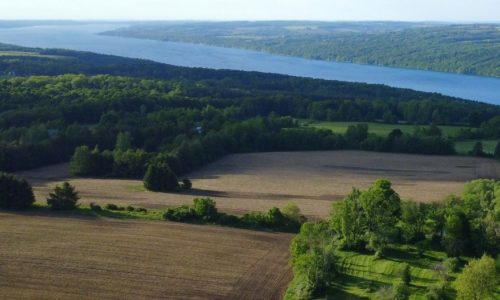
(85,210)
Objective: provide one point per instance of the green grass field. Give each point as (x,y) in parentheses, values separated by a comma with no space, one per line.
(376,128)
(463,147)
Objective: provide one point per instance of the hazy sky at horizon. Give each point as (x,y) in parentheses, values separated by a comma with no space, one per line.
(404,10)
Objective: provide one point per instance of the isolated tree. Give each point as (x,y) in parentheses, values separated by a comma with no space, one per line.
(478,280)
(63,198)
(160,178)
(15,193)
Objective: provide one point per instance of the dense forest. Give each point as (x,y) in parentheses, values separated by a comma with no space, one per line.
(465,49)
(142,112)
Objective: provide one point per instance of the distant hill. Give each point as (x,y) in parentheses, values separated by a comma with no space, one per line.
(456,48)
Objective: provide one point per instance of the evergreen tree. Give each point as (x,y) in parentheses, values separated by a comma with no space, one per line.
(160,178)
(64,197)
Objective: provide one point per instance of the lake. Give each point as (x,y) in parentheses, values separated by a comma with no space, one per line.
(85,38)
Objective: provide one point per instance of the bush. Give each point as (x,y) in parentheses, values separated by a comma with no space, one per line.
(160,178)
(111,206)
(401,291)
(95,207)
(205,208)
(141,209)
(182,213)
(452,264)
(186,184)
(15,193)
(229,220)
(436,292)
(406,274)
(130,208)
(64,197)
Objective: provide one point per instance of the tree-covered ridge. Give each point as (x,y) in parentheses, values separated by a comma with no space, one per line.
(184,118)
(465,48)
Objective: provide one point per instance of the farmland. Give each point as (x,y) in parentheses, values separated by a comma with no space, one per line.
(60,256)
(245,182)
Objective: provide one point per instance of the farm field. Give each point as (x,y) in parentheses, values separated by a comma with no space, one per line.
(60,256)
(258,181)
(377,128)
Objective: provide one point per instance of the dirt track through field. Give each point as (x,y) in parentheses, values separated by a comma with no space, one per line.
(259,181)
(56,257)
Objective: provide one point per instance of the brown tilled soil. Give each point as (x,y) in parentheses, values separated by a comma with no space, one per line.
(55,257)
(258,181)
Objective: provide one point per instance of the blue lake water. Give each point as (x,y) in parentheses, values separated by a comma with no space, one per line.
(85,38)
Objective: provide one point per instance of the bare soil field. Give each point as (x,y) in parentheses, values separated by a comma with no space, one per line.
(259,181)
(67,257)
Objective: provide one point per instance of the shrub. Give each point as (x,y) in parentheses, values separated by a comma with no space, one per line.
(182,213)
(186,184)
(401,291)
(436,292)
(111,206)
(141,209)
(130,208)
(95,207)
(225,219)
(205,208)
(406,274)
(160,178)
(452,264)
(15,193)
(64,197)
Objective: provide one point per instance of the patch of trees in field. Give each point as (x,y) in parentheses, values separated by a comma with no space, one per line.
(376,219)
(457,48)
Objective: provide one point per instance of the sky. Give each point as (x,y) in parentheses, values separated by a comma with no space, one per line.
(330,10)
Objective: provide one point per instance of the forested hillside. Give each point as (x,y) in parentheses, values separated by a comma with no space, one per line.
(465,49)
(188,117)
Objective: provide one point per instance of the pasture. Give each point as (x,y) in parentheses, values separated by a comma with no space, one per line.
(377,128)
(258,181)
(51,256)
